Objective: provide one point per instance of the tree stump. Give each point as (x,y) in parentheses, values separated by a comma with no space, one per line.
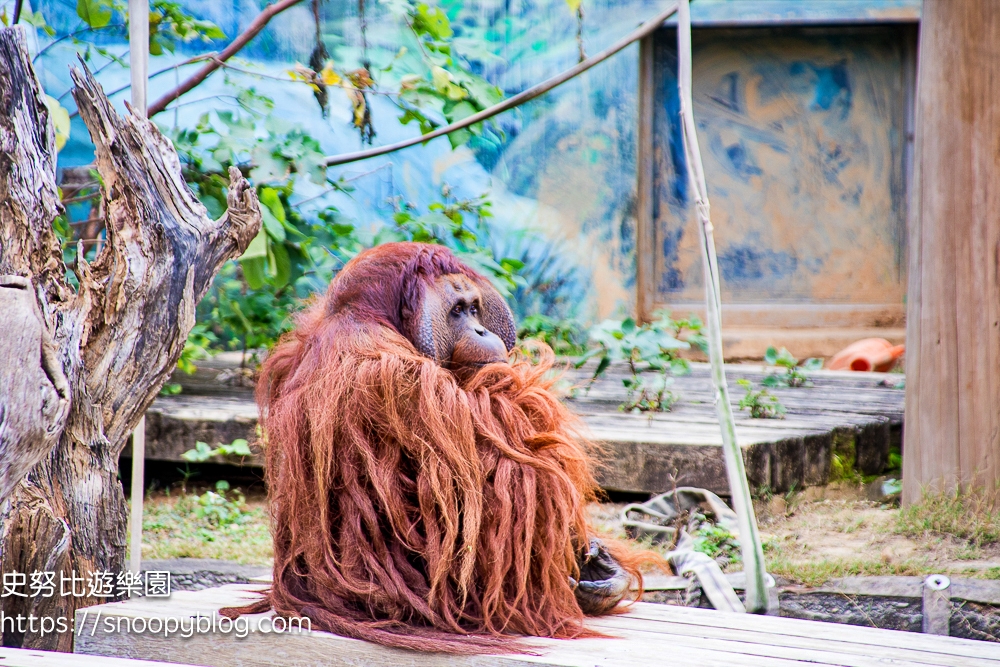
(83,362)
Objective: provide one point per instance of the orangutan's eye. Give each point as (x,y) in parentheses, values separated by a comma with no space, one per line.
(457,310)
(474,310)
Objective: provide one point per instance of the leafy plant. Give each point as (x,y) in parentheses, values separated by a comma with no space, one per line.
(169,25)
(203,452)
(188,525)
(563,336)
(794,375)
(445,223)
(220,508)
(762,404)
(717,543)
(649,394)
(651,347)
(251,301)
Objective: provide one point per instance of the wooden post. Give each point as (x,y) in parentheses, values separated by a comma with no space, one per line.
(645,255)
(138,60)
(952,437)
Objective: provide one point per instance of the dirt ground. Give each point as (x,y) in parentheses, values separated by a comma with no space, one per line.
(825,533)
(809,537)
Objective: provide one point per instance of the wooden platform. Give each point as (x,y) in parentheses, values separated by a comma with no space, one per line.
(17,657)
(648,634)
(853,415)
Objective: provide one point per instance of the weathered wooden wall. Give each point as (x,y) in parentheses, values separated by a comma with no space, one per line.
(953,316)
(805,134)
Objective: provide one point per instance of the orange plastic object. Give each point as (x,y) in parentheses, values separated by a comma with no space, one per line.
(869,354)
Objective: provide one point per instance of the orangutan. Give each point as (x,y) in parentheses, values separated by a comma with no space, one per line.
(427,489)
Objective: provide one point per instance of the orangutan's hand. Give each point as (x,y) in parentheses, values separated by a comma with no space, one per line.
(603,583)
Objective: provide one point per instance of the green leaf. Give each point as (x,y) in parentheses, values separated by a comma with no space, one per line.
(238,447)
(812,364)
(602,366)
(459,137)
(282,264)
(201,453)
(511,264)
(771,356)
(628,325)
(94,13)
(257,247)
(443,84)
(253,272)
(37,20)
(432,22)
(273,226)
(268,168)
(60,120)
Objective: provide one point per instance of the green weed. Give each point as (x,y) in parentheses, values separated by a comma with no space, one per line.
(794,375)
(648,349)
(216,524)
(762,404)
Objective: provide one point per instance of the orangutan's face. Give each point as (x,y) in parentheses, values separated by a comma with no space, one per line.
(451,324)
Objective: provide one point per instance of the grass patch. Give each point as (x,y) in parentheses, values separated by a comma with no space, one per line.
(967,516)
(818,572)
(217,524)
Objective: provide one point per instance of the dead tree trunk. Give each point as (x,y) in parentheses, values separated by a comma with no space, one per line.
(82,364)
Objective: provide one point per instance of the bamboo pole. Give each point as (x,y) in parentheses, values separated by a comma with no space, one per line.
(138,38)
(753,554)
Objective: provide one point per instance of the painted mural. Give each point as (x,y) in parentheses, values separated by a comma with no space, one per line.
(560,171)
(804,136)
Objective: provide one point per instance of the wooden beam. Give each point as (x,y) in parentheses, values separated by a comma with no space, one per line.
(953,315)
(645,230)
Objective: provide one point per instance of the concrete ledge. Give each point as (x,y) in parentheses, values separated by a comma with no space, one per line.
(852,415)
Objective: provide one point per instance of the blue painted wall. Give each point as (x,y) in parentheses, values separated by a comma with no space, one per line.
(803,133)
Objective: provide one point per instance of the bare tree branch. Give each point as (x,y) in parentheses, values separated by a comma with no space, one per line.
(244,38)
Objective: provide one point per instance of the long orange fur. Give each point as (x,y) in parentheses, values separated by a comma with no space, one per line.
(409,508)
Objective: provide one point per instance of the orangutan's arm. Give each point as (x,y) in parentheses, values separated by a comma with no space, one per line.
(603,581)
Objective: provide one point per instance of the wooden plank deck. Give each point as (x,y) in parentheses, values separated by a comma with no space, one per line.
(648,634)
(19,657)
(849,414)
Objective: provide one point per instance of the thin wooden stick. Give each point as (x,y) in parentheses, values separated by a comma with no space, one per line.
(531,93)
(753,554)
(138,60)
